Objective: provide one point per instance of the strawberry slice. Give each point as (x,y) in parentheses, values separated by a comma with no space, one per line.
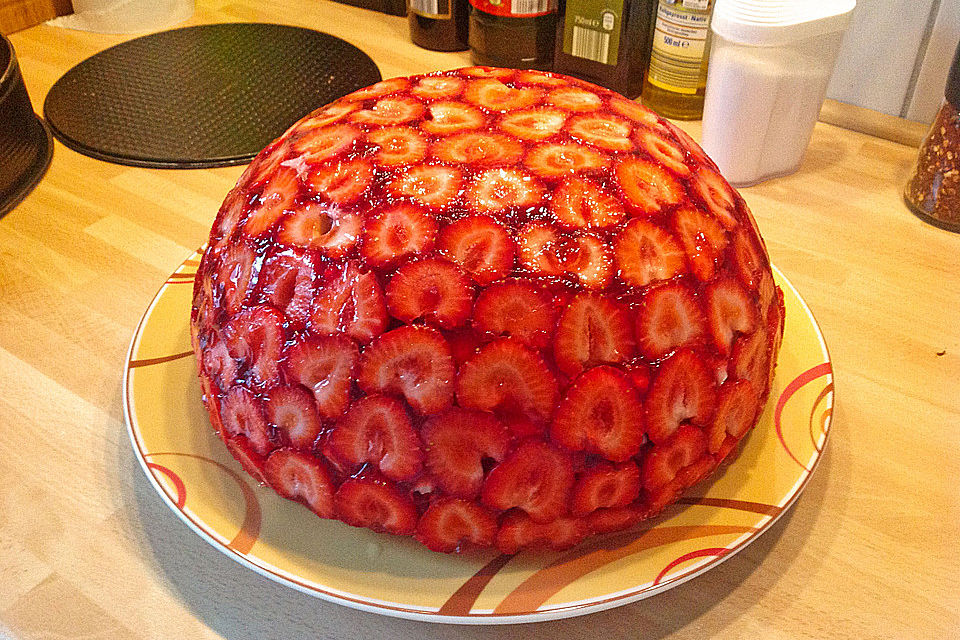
(341,182)
(292,410)
(574,99)
(487,72)
(750,358)
(430,185)
(589,259)
(278,196)
(731,310)
(582,203)
(737,408)
(326,116)
(535,477)
(689,144)
(244,453)
(636,112)
(605,486)
(592,330)
(318,144)
(390,111)
(352,303)
(663,151)
(325,365)
(450,523)
(377,430)
(395,234)
(683,390)
(610,519)
(533,124)
(229,215)
(437,87)
(432,289)
(464,344)
(517,309)
(444,118)
(539,244)
(287,284)
(254,337)
(749,257)
(668,318)
(397,146)
(703,239)
(646,252)
(236,271)
(323,227)
(412,361)
(646,186)
(219,365)
(459,442)
(376,503)
(530,76)
(242,414)
(600,414)
(496,190)
(494,95)
(668,459)
(519,531)
(717,195)
(507,376)
(555,160)
(606,132)
(640,376)
(479,149)
(299,476)
(481,246)
(382,88)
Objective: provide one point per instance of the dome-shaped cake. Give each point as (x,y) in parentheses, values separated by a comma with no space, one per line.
(484,307)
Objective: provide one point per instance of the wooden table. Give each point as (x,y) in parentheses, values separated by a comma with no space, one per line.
(87,549)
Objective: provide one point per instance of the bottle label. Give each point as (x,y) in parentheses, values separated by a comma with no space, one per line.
(439,9)
(591,29)
(516,8)
(679,45)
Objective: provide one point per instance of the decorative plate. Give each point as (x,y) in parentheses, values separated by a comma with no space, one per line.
(196,476)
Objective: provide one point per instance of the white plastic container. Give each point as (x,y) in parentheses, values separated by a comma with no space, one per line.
(770,64)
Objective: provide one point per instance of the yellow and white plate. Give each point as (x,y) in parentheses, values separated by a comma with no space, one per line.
(195,475)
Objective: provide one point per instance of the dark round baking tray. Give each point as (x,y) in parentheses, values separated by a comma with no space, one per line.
(204,96)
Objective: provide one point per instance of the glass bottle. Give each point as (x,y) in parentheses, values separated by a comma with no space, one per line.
(518,34)
(440,25)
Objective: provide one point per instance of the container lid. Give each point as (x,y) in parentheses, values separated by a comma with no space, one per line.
(777,22)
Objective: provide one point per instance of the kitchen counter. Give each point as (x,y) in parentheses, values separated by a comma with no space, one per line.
(88,549)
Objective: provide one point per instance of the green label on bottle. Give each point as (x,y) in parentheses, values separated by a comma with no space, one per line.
(591,29)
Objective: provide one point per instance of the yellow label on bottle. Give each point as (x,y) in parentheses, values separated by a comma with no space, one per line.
(679,47)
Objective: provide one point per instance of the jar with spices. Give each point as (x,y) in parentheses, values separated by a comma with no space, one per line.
(933,192)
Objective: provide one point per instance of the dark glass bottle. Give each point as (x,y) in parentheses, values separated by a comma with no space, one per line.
(518,34)
(440,25)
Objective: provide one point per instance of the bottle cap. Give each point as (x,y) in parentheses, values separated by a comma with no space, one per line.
(779,22)
(952,92)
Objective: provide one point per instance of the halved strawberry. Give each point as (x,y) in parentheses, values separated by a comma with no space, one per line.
(533,124)
(396,233)
(507,376)
(685,447)
(323,227)
(254,337)
(376,430)
(518,309)
(684,390)
(520,531)
(646,252)
(600,414)
(433,289)
(574,99)
(605,486)
(397,146)
(535,477)
(492,94)
(703,239)
(444,118)
(588,258)
(487,72)
(375,503)
(531,76)
(717,195)
(737,408)
(604,131)
(496,190)
(478,149)
(750,358)
(244,453)
(731,311)
(459,443)
(555,160)
(325,365)
(449,523)
(382,88)
(286,282)
(390,111)
(300,476)
(430,185)
(436,87)
(662,150)
(593,330)
(636,112)
(278,196)
(580,203)
(351,303)
(481,246)
(236,272)
(318,144)
(292,410)
(610,519)
(326,115)
(341,182)
(646,186)
(539,246)
(242,414)
(668,318)
(749,257)
(412,361)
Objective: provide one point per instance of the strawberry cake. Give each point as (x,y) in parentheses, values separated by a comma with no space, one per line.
(484,308)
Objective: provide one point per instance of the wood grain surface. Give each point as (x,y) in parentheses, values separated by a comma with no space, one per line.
(88,550)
